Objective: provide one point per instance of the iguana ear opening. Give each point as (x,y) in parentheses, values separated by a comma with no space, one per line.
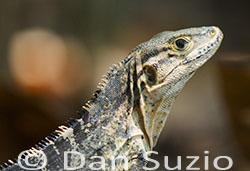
(150,74)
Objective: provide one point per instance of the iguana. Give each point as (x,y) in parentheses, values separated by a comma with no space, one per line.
(129,109)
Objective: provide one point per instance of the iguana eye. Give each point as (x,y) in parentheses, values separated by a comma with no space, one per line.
(181,44)
(150,75)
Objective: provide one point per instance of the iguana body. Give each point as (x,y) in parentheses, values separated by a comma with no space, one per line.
(128,111)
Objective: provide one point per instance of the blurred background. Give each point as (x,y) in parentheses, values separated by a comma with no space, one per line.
(53,54)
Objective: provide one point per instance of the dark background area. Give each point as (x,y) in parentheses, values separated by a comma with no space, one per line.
(53,53)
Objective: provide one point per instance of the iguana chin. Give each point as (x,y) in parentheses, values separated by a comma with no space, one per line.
(128,111)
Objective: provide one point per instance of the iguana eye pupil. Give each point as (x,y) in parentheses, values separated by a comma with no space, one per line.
(150,74)
(181,44)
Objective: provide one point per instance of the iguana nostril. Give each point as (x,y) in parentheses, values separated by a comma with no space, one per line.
(212,32)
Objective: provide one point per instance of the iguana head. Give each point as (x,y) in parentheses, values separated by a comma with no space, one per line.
(168,61)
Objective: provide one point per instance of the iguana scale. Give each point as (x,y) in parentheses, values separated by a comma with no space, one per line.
(129,109)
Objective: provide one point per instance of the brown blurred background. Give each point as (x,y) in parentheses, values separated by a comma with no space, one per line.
(53,53)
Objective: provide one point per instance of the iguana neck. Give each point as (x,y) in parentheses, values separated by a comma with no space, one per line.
(110,114)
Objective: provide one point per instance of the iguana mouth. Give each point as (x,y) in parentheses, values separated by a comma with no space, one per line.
(206,49)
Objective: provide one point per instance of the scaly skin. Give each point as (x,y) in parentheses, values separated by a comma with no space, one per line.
(127,113)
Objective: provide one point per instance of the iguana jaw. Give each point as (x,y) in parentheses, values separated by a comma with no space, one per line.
(160,97)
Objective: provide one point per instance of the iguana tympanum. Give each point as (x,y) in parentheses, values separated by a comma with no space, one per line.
(128,111)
